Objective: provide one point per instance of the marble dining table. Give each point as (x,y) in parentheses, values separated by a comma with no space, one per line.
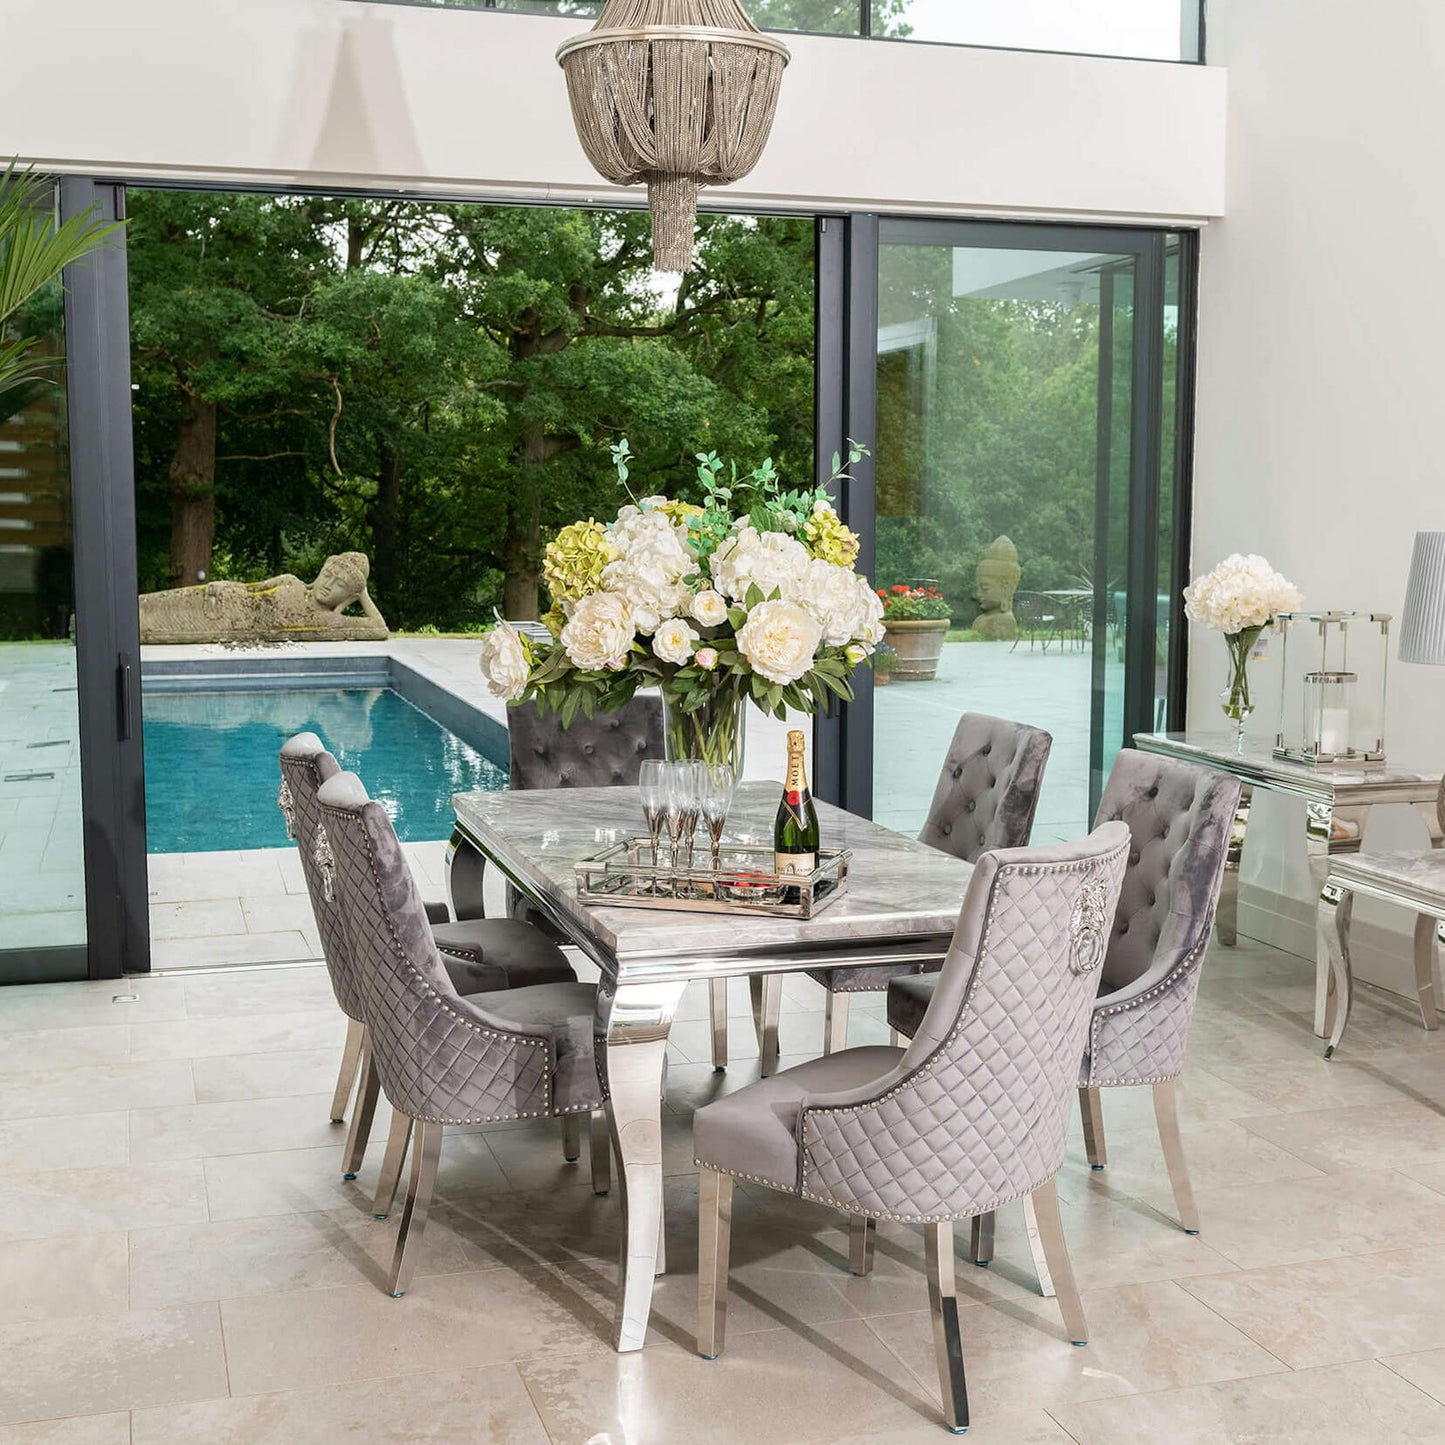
(900,906)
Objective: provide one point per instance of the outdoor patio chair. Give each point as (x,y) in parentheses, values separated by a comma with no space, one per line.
(971,1114)
(1040,617)
(444,1058)
(480,954)
(1179,818)
(987,793)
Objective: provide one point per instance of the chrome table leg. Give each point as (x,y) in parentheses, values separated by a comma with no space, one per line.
(465,870)
(1333,914)
(947,1339)
(350,1062)
(633,1020)
(1226,915)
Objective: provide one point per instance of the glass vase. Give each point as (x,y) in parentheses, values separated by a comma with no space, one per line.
(1235,699)
(712,733)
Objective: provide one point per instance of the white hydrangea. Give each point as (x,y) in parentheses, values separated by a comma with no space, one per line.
(770,561)
(870,613)
(675,640)
(780,639)
(599,632)
(504,662)
(1240,593)
(830,593)
(653,558)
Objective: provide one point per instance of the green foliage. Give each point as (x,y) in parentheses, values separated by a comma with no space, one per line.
(440,386)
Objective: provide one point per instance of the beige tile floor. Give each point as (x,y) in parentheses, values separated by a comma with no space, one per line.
(181,1262)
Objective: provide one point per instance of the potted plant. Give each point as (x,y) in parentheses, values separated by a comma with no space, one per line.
(915,623)
(883,660)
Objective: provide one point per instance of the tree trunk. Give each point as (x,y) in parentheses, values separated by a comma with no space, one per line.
(193,494)
(383,516)
(522,542)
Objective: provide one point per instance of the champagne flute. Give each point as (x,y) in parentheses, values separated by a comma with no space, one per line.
(692,788)
(652,783)
(717,801)
(674,806)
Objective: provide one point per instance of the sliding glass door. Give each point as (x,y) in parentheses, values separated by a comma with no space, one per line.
(1018,500)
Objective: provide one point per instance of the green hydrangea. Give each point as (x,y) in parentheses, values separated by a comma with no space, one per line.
(574,559)
(829,539)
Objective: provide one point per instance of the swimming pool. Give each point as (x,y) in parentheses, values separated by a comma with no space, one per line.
(212,774)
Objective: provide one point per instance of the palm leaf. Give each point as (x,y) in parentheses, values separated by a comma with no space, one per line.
(32,251)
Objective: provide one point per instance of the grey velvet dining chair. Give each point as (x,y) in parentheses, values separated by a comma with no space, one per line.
(479,954)
(971,1114)
(1179,818)
(986,797)
(442,1057)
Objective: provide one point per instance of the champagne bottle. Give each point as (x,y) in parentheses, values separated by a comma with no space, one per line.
(795,833)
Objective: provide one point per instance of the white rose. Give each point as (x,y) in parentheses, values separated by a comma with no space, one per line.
(504,662)
(674,641)
(599,632)
(710,608)
(770,561)
(780,639)
(831,594)
(706,658)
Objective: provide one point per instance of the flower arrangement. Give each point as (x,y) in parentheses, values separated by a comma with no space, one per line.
(751,594)
(1239,598)
(913,604)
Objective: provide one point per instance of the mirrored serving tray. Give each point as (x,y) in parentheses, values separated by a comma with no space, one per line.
(624,876)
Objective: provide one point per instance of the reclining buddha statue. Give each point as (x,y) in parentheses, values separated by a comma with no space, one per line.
(280,609)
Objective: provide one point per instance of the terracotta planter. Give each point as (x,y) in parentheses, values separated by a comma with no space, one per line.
(882,679)
(919,645)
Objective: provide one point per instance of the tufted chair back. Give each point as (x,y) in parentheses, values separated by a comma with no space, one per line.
(988,789)
(305,766)
(441,1057)
(1179,817)
(975,1112)
(597,752)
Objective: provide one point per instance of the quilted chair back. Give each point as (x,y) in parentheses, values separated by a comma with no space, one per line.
(440,1056)
(603,751)
(305,765)
(988,790)
(975,1114)
(1179,818)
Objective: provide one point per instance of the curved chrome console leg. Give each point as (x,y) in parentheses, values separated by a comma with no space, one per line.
(350,1061)
(1332,978)
(1426,930)
(465,868)
(633,1021)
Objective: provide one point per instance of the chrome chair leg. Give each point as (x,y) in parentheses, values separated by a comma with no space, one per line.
(981,1238)
(599,1145)
(835,1022)
(1056,1251)
(424,1159)
(367,1088)
(1036,1248)
(947,1340)
(1166,1115)
(862,1237)
(718,1007)
(1091,1110)
(714,1239)
(571,1137)
(395,1156)
(350,1059)
(767,996)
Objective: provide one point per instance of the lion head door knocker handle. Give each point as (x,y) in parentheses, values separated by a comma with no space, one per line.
(1088,927)
(287,804)
(326,862)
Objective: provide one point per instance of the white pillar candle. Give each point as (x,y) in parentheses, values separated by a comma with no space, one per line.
(1335,730)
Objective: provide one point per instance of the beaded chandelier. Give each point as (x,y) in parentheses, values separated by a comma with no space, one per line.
(677,93)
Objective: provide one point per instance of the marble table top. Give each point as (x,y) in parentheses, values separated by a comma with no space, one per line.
(1257,765)
(902,901)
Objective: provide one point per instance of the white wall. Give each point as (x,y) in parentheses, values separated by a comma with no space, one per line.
(1320,379)
(331,92)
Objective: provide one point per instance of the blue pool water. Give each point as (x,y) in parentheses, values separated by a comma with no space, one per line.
(212,774)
